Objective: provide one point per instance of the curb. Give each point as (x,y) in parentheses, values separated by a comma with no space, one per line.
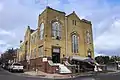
(46,77)
(72,76)
(93,74)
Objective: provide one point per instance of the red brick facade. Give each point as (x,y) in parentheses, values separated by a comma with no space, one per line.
(42,66)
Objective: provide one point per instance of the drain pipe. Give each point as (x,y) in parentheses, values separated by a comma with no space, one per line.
(66,25)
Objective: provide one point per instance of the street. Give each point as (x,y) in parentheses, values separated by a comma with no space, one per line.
(5,75)
(111,76)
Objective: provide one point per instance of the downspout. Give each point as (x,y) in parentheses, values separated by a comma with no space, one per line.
(45,26)
(66,22)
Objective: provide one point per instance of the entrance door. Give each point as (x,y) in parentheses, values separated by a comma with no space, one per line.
(56,55)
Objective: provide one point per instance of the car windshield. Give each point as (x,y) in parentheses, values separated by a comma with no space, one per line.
(17,64)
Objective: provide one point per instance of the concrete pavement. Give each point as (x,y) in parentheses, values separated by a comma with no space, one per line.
(47,75)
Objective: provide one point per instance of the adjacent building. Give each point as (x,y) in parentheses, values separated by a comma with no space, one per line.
(57,36)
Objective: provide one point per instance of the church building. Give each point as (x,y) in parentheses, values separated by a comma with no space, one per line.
(59,38)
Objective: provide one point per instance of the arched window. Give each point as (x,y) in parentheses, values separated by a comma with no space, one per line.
(41,31)
(88,36)
(75,43)
(56,29)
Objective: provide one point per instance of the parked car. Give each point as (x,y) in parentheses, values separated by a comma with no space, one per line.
(3,65)
(6,66)
(16,67)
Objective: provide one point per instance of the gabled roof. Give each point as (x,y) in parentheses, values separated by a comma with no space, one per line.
(32,30)
(70,14)
(47,7)
(73,13)
(84,20)
(54,9)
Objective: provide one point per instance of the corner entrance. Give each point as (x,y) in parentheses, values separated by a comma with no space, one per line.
(56,55)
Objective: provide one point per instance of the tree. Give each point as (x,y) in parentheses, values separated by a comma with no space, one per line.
(99,59)
(106,59)
(102,59)
(114,58)
(8,55)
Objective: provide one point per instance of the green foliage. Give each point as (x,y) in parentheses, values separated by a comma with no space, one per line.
(8,55)
(106,59)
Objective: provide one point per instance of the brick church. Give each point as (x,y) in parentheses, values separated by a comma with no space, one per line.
(59,39)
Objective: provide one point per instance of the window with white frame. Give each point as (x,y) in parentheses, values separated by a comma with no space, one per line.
(41,51)
(56,29)
(88,36)
(41,31)
(75,43)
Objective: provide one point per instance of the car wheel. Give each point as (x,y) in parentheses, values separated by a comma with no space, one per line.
(11,70)
(22,71)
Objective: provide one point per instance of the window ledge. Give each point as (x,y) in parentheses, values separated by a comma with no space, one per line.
(55,38)
(41,56)
(75,53)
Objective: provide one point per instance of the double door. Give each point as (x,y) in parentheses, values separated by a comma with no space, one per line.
(56,55)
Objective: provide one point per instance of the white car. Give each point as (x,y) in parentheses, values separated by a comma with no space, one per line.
(16,67)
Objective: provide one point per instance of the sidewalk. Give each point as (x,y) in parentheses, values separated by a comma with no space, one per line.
(65,76)
(47,75)
(95,73)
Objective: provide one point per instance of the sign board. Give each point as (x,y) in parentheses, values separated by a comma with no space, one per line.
(57,50)
(89,53)
(44,59)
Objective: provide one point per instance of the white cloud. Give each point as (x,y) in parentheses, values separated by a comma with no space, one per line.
(99,54)
(14,19)
(109,40)
(4,46)
(105,26)
(15,15)
(2,42)
(4,32)
(1,6)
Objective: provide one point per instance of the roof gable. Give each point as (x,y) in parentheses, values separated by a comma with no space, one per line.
(54,10)
(73,14)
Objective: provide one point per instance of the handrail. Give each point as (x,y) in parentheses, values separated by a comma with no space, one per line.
(51,63)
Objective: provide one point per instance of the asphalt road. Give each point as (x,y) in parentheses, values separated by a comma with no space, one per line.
(111,76)
(5,75)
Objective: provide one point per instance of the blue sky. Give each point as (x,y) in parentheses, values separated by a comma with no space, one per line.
(16,15)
